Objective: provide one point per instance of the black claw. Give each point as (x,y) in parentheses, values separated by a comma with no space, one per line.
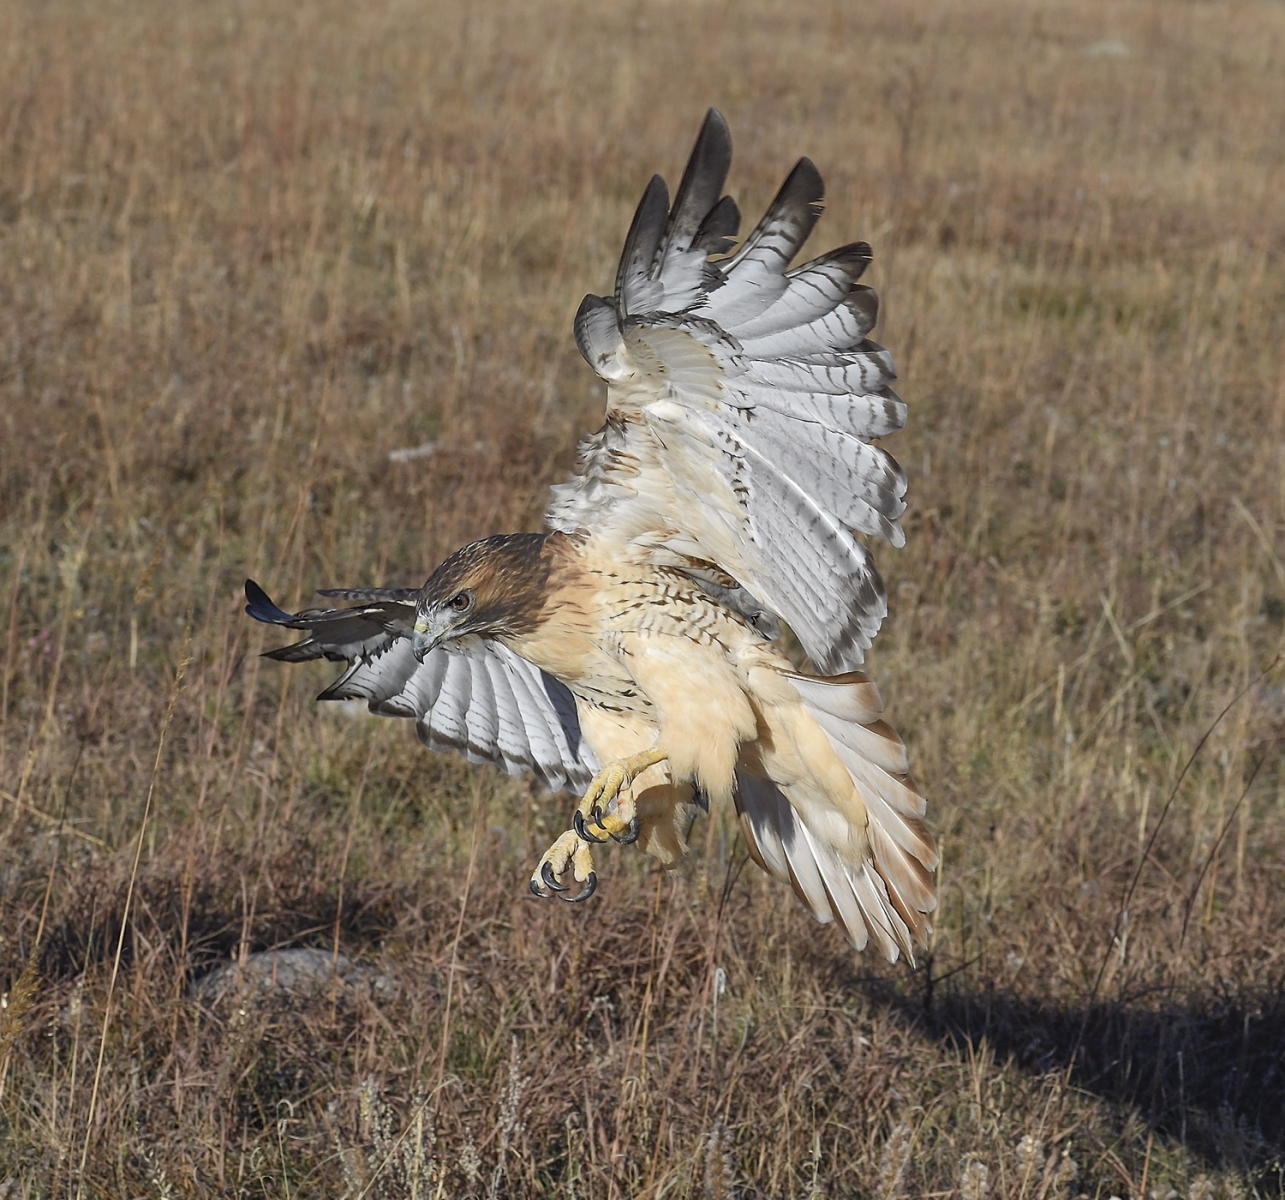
(535,890)
(582,832)
(550,880)
(629,836)
(590,886)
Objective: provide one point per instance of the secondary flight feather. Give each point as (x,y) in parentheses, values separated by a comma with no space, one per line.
(687,628)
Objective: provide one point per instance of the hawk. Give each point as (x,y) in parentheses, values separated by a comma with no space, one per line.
(687,629)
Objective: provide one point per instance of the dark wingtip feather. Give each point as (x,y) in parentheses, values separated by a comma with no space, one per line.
(702,182)
(796,207)
(260,606)
(854,258)
(805,183)
(865,302)
(857,252)
(714,143)
(304,651)
(717,232)
(643,240)
(715,119)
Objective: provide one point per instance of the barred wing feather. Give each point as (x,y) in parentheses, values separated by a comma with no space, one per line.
(472,695)
(743,399)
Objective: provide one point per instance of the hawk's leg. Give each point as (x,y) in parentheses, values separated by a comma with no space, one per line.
(591,819)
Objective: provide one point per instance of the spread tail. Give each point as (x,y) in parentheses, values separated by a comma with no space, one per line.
(828,805)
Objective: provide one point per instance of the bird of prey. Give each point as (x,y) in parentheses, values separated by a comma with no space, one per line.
(687,629)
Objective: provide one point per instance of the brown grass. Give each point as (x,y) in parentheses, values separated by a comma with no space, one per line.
(247,250)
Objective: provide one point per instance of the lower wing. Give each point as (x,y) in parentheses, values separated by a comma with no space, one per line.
(473,696)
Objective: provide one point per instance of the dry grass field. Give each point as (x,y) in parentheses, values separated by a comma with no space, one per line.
(249,250)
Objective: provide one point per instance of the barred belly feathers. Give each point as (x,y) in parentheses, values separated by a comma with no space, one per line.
(688,628)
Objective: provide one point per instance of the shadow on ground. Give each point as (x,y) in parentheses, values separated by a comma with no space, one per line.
(1211,1076)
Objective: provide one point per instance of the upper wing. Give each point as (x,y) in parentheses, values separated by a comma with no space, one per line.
(742,400)
(471,695)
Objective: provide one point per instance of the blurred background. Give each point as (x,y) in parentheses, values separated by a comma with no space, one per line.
(286,291)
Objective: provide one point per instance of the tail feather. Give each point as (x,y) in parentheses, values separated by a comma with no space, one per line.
(857,700)
(859,853)
(780,843)
(908,880)
(876,742)
(887,926)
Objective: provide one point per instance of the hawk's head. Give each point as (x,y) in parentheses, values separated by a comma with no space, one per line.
(491,588)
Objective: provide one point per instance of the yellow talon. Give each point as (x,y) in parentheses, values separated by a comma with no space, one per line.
(582,862)
(609,782)
(614,824)
(571,851)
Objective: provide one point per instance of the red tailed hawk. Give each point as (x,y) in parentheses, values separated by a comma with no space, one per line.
(687,629)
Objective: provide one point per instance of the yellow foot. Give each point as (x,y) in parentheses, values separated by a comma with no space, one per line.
(604,789)
(593,822)
(568,852)
(597,826)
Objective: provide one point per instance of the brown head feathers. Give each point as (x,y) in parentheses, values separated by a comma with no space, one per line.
(500,581)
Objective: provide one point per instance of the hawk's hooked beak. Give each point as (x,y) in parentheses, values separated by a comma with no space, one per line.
(421,644)
(431,630)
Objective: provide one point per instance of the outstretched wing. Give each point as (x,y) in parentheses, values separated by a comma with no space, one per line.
(743,400)
(471,695)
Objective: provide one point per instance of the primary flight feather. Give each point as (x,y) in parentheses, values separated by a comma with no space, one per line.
(688,628)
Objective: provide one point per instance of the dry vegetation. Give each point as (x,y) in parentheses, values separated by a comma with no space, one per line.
(247,250)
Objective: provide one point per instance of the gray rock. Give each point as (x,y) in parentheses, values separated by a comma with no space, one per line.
(293,973)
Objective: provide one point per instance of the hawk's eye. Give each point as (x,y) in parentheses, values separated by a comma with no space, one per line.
(461,601)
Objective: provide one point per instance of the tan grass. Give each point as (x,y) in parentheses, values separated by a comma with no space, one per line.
(248,251)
